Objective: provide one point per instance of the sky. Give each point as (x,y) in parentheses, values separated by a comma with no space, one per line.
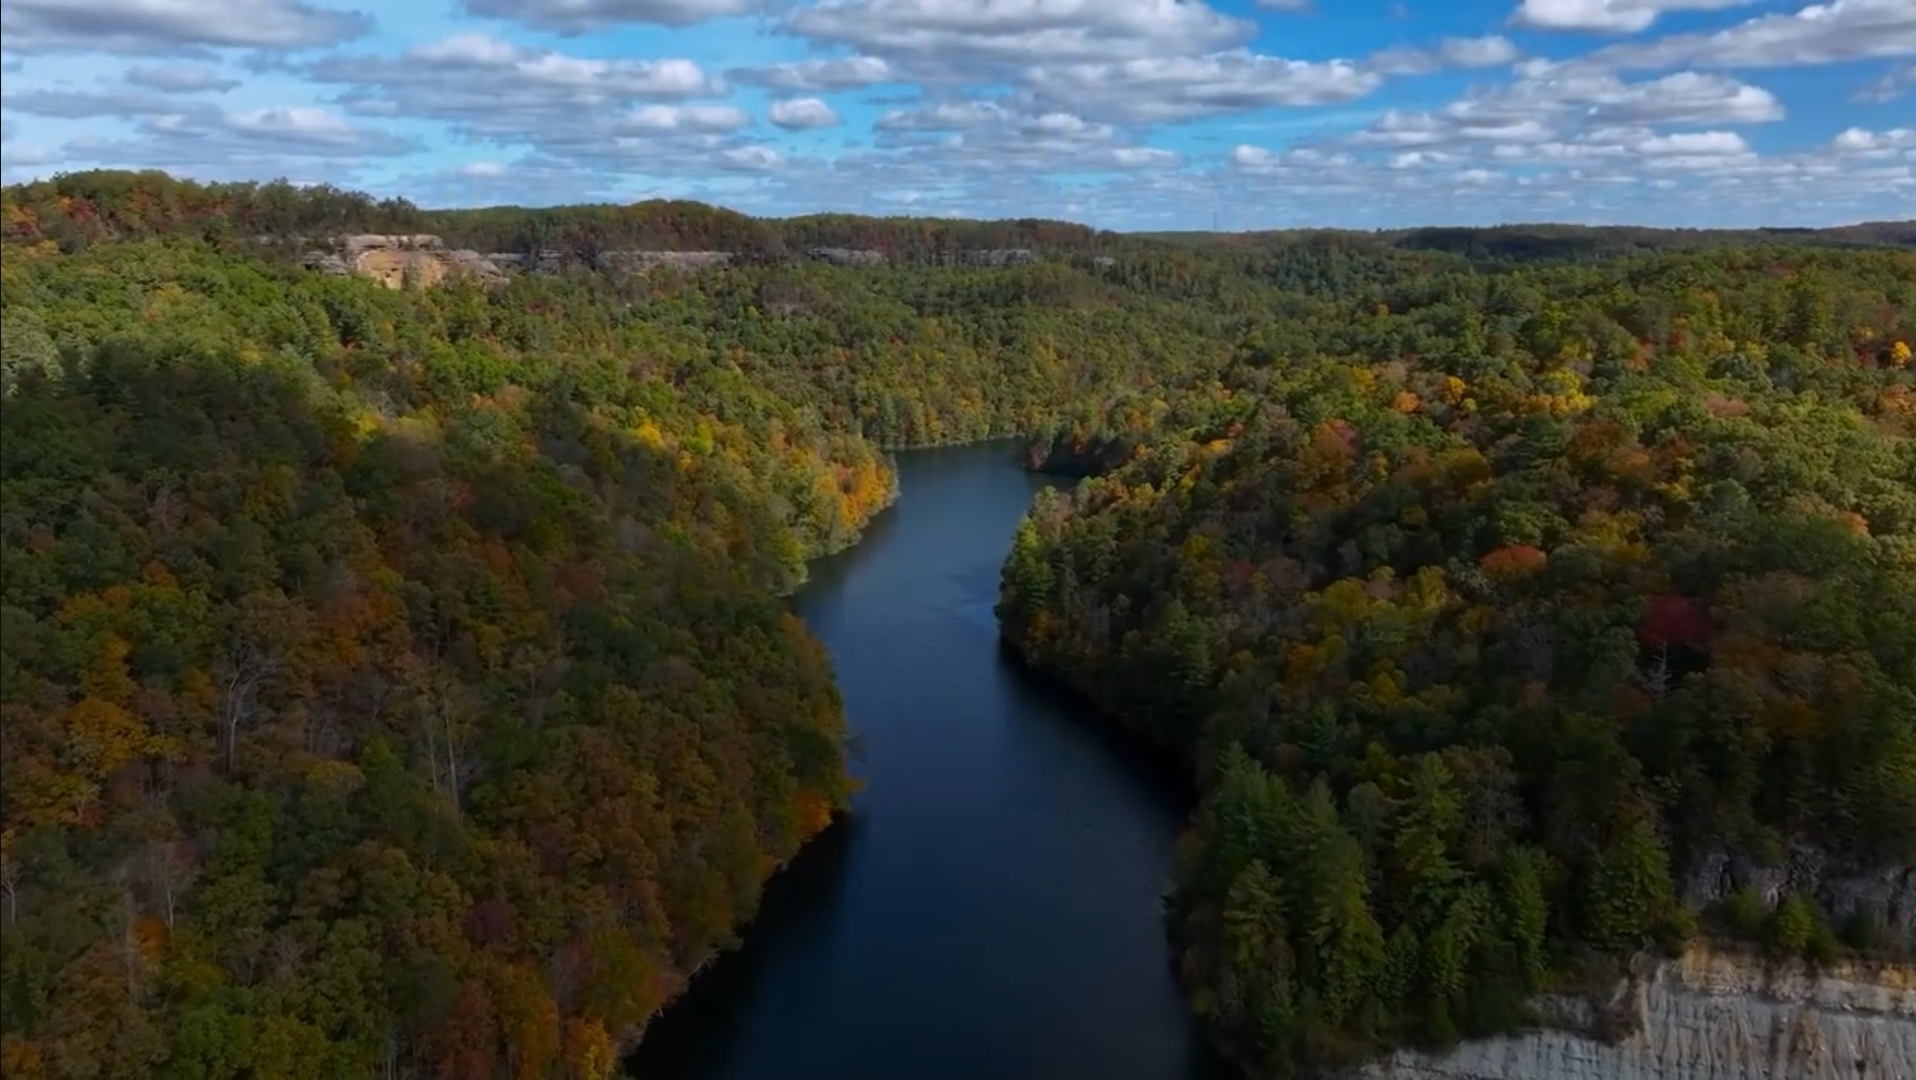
(1124,114)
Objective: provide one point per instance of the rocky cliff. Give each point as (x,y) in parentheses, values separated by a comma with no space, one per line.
(1885,896)
(1708,1015)
(391,260)
(428,259)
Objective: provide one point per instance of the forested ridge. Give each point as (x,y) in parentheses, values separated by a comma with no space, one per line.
(1515,623)
(393,682)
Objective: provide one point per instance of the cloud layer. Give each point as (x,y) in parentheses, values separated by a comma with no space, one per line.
(1125,113)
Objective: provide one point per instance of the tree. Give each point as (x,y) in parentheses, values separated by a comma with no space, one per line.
(243,669)
(1630,894)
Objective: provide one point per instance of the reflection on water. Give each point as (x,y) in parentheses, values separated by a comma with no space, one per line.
(993,909)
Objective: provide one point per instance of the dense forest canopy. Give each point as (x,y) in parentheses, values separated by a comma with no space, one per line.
(1515,622)
(393,681)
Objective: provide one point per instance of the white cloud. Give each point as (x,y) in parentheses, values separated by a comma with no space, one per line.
(581,16)
(621,116)
(986,138)
(803,114)
(940,37)
(1826,33)
(208,141)
(1607,16)
(1860,141)
(170,26)
(1129,113)
(689,118)
(842,73)
(1562,103)
(1895,83)
(489,88)
(1694,144)
(752,158)
(1159,89)
(180,80)
(1479,52)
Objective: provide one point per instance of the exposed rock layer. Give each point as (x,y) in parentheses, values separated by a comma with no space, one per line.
(427,259)
(392,260)
(1709,1015)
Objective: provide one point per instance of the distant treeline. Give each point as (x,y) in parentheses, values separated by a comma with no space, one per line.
(79,209)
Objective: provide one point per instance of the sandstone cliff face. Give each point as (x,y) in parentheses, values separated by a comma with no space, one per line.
(427,259)
(1708,1015)
(391,260)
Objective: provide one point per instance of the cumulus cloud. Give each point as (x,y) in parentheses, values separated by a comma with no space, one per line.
(974,136)
(581,16)
(708,119)
(1480,52)
(943,36)
(1608,16)
(1617,176)
(1693,144)
(1863,142)
(590,112)
(803,114)
(754,158)
(94,104)
(1128,113)
(180,80)
(208,141)
(1895,83)
(1825,33)
(842,73)
(491,89)
(171,26)
(1557,105)
(1160,89)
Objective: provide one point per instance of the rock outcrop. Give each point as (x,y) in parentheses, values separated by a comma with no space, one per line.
(393,260)
(998,257)
(839,256)
(1708,1015)
(427,259)
(1884,895)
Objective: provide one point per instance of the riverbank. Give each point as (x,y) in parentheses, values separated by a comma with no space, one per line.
(993,905)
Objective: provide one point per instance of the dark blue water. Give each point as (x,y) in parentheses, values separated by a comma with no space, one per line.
(992,909)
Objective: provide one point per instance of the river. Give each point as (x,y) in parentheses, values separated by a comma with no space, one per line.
(991,909)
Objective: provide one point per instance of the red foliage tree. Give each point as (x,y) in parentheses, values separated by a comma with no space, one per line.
(1675,620)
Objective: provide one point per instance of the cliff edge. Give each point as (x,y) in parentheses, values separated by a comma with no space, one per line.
(1707,1015)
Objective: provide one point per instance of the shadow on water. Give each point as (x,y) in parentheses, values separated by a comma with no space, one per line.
(993,909)
(1150,764)
(800,908)
(829,570)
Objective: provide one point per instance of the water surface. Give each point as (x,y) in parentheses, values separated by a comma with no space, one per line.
(992,909)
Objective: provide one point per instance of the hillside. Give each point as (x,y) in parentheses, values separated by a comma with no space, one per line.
(1513,623)
(394,681)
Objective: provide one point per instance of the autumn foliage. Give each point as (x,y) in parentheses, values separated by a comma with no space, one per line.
(1473,687)
(393,682)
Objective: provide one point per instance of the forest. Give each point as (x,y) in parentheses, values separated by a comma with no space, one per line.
(1513,624)
(395,682)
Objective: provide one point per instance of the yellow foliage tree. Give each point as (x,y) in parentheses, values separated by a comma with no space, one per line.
(588,1050)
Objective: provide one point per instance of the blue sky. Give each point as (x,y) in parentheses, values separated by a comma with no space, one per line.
(1121,113)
